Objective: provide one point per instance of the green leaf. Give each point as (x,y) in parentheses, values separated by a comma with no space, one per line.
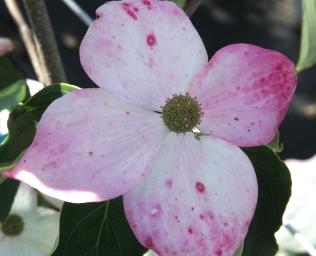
(13,89)
(239,251)
(274,182)
(13,94)
(8,190)
(8,73)
(275,144)
(96,229)
(181,3)
(189,6)
(23,120)
(307,57)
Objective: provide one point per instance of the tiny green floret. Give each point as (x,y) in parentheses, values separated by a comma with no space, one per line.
(182,113)
(13,225)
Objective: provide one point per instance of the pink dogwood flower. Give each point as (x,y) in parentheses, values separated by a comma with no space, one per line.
(183,194)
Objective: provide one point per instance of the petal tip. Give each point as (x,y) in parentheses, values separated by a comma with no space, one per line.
(11,173)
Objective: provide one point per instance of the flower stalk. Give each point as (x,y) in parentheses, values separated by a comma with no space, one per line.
(26,36)
(45,41)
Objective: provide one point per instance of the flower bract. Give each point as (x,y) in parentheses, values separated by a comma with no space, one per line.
(183,195)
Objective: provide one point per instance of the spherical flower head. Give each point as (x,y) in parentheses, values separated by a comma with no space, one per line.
(181,113)
(13,225)
(183,195)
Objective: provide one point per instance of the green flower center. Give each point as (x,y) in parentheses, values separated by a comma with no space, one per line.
(13,225)
(181,113)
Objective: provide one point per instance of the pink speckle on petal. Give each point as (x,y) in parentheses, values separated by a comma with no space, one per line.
(151,40)
(228,241)
(126,7)
(132,14)
(176,12)
(210,215)
(219,252)
(149,242)
(148,4)
(168,183)
(200,187)
(278,67)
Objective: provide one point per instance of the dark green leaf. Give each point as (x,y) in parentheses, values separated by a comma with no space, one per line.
(189,6)
(22,123)
(181,3)
(8,73)
(13,94)
(307,56)
(8,190)
(274,182)
(96,229)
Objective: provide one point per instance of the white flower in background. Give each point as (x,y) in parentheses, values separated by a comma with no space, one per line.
(150,253)
(4,116)
(300,212)
(29,230)
(34,86)
(6,46)
(53,201)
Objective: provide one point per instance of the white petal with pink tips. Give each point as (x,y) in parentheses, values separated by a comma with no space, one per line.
(198,200)
(183,196)
(90,146)
(143,51)
(245,91)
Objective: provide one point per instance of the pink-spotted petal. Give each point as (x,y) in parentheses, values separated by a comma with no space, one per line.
(90,146)
(245,91)
(198,200)
(142,50)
